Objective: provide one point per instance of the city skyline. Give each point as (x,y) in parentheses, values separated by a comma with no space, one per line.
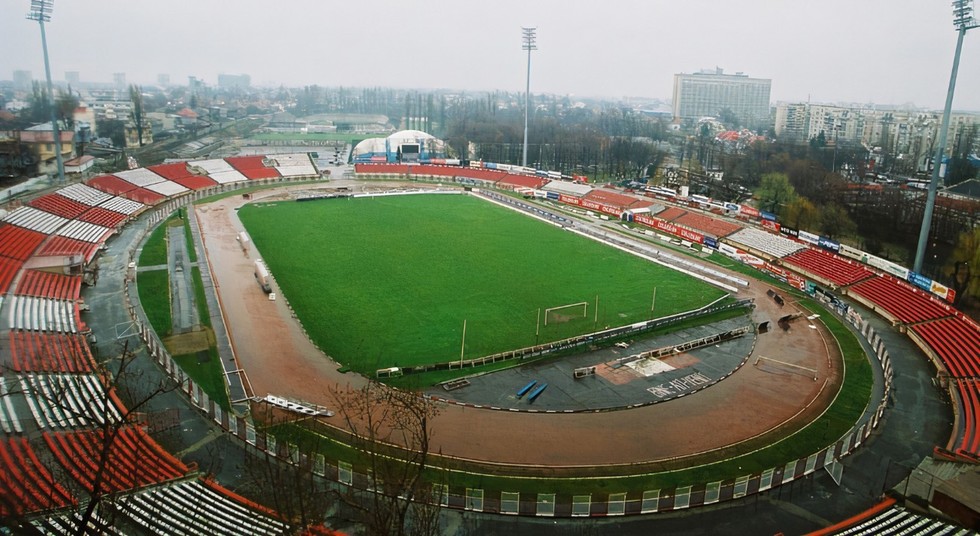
(885,52)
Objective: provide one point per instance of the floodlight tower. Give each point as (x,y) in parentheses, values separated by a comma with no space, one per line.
(963,20)
(529,45)
(41,12)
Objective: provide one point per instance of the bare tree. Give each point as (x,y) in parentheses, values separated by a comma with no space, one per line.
(136,96)
(393,428)
(286,479)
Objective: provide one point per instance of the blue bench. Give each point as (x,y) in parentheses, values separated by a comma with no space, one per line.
(537,392)
(526,388)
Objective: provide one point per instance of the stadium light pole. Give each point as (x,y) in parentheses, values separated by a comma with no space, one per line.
(529,45)
(41,12)
(963,20)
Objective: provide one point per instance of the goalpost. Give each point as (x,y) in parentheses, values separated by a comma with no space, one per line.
(584,305)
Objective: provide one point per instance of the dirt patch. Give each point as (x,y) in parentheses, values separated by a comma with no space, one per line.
(189,343)
(681,360)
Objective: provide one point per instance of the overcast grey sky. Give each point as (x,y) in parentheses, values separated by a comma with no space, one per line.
(881,51)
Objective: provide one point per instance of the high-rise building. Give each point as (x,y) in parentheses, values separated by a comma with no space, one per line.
(23,80)
(234,81)
(163,80)
(710,93)
(119,79)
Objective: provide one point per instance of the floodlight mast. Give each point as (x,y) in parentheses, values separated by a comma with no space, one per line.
(529,45)
(41,12)
(963,20)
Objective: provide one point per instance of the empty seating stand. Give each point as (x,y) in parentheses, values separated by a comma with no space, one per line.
(8,271)
(25,484)
(762,241)
(84,194)
(956,342)
(17,242)
(707,224)
(898,521)
(102,216)
(190,507)
(253,167)
(49,285)
(827,266)
(901,301)
(62,246)
(68,400)
(134,459)
(59,205)
(967,440)
(32,351)
(70,523)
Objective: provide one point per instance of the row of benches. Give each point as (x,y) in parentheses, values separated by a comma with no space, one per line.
(957,343)
(62,246)
(32,351)
(44,314)
(765,242)
(17,242)
(837,270)
(130,460)
(68,400)
(103,217)
(25,483)
(707,224)
(899,521)
(60,206)
(8,271)
(9,421)
(49,285)
(190,507)
(906,304)
(36,220)
(969,442)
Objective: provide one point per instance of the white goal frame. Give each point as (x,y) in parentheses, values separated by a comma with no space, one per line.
(584,305)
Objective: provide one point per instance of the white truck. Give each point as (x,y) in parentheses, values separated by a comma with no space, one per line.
(262,276)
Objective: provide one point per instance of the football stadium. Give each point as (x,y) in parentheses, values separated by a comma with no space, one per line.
(519,342)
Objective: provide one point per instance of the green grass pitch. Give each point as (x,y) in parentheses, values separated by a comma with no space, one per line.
(388,281)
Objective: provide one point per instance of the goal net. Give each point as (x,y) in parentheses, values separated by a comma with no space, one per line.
(565,313)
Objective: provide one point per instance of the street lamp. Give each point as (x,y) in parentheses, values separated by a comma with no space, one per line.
(529,45)
(41,12)
(963,20)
